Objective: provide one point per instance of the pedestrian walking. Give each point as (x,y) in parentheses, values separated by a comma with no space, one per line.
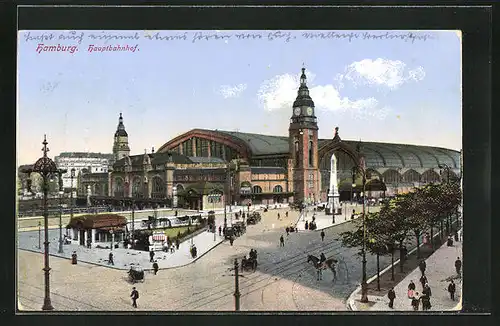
(411,290)
(278,216)
(231,240)
(287,229)
(391,295)
(427,290)
(422,266)
(307,225)
(110,259)
(286,214)
(423,281)
(452,288)
(134,295)
(282,241)
(458,265)
(322,234)
(151,256)
(415,301)
(155,267)
(177,243)
(220,230)
(426,302)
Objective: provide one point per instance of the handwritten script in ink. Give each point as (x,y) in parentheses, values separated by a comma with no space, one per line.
(112,37)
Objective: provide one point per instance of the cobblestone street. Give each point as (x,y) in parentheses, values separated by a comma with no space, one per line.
(283,280)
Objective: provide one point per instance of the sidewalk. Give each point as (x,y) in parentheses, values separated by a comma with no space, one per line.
(324,221)
(123,258)
(440,268)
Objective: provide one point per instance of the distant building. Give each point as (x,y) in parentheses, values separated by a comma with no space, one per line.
(91,162)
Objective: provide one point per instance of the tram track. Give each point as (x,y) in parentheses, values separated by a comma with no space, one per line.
(57,295)
(283,271)
(270,267)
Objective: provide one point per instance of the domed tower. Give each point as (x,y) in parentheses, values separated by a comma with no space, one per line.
(303,138)
(120,145)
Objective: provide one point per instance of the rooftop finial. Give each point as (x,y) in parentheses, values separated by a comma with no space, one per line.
(45,149)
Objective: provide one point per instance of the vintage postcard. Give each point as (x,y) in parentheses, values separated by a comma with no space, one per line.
(247,170)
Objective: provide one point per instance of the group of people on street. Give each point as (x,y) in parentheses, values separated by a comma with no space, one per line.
(424,296)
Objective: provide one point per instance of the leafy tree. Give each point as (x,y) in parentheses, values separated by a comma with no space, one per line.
(375,237)
(395,212)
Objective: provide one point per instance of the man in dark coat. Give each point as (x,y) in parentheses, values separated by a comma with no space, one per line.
(452,289)
(155,267)
(282,241)
(322,234)
(134,295)
(427,290)
(426,302)
(423,281)
(322,258)
(110,259)
(287,229)
(391,295)
(307,225)
(422,266)
(151,256)
(177,243)
(458,265)
(220,230)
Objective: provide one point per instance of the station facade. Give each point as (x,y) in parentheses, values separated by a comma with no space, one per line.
(196,168)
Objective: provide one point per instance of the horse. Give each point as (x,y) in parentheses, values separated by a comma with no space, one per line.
(329,263)
(316,263)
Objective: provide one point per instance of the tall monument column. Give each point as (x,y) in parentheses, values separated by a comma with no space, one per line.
(333,191)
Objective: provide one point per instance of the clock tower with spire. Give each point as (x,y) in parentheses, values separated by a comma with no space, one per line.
(303,138)
(120,144)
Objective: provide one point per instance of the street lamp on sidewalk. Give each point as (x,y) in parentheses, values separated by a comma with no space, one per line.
(46,168)
(72,176)
(61,250)
(361,168)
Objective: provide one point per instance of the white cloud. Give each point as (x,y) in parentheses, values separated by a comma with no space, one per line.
(228,91)
(280,91)
(417,74)
(380,72)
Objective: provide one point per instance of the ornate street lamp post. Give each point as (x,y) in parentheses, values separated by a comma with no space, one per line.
(46,168)
(72,176)
(61,250)
(361,168)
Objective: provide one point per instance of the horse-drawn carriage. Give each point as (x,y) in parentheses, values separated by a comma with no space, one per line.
(136,274)
(249,263)
(254,218)
(239,228)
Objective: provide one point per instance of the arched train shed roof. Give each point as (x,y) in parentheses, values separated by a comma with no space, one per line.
(377,155)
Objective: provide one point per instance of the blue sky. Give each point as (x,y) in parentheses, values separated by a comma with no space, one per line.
(388,89)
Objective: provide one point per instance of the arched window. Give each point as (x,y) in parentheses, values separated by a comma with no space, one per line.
(278,188)
(297,155)
(311,154)
(137,188)
(411,176)
(392,177)
(118,187)
(430,176)
(257,189)
(158,189)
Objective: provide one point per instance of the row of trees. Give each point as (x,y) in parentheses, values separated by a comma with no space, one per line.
(406,215)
